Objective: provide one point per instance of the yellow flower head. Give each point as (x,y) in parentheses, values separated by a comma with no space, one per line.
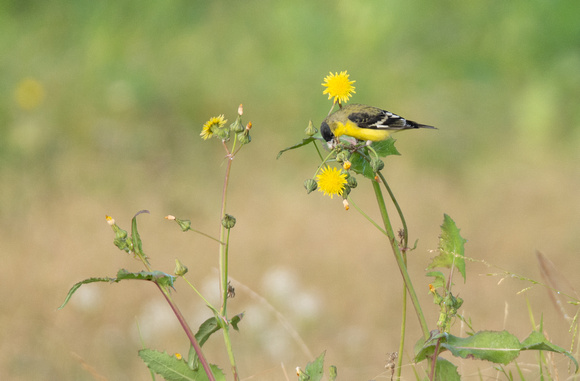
(211,126)
(338,87)
(331,181)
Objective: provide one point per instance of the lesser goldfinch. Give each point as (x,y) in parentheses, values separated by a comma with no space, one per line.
(364,123)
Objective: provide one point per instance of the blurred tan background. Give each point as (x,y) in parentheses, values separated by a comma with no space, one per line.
(101,108)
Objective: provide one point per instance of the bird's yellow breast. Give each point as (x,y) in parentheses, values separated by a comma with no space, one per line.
(351,129)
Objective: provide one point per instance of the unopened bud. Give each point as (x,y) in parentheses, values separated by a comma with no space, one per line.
(351,182)
(237,126)
(310,185)
(377,164)
(185,225)
(228,221)
(180,268)
(310,130)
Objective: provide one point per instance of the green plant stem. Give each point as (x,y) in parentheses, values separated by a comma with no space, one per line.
(188,332)
(404,251)
(223,265)
(399,259)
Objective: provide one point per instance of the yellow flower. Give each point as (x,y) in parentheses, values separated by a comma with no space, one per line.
(331,181)
(338,87)
(211,126)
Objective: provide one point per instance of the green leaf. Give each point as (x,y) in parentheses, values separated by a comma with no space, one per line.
(137,243)
(439,281)
(451,248)
(74,288)
(158,277)
(172,369)
(206,329)
(314,370)
(446,371)
(385,148)
(236,320)
(304,142)
(361,166)
(497,347)
(537,341)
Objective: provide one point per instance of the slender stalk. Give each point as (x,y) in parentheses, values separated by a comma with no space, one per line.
(399,259)
(188,332)
(405,244)
(223,265)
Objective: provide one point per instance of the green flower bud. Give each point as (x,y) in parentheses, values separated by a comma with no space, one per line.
(223,133)
(180,268)
(345,191)
(310,185)
(342,156)
(351,182)
(244,137)
(310,130)
(228,221)
(377,164)
(237,126)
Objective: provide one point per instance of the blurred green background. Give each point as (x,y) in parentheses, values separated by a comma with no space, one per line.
(101,107)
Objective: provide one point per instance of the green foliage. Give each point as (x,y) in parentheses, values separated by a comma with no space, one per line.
(158,277)
(362,165)
(446,371)
(451,248)
(315,370)
(173,369)
(500,347)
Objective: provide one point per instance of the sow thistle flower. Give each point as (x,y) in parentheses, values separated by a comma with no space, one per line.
(339,87)
(212,126)
(331,181)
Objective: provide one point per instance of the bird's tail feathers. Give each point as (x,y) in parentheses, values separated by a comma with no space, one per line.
(419,125)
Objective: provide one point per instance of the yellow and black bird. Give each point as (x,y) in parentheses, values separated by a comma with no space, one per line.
(365,123)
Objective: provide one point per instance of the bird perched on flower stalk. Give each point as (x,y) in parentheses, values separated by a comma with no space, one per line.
(365,123)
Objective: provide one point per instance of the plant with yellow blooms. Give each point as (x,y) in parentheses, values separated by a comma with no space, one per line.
(336,174)
(196,367)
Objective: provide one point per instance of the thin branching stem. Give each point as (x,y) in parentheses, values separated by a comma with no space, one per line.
(188,332)
(399,258)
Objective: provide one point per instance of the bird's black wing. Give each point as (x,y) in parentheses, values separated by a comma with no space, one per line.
(382,120)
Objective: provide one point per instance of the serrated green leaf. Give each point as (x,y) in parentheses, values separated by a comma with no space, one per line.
(498,347)
(172,369)
(159,277)
(74,288)
(315,369)
(439,281)
(385,148)
(537,341)
(360,165)
(136,238)
(446,371)
(304,142)
(451,248)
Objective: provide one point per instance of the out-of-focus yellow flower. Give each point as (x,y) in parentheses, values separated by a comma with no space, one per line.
(338,87)
(212,126)
(29,93)
(331,181)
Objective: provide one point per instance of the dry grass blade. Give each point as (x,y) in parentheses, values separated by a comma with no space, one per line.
(559,288)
